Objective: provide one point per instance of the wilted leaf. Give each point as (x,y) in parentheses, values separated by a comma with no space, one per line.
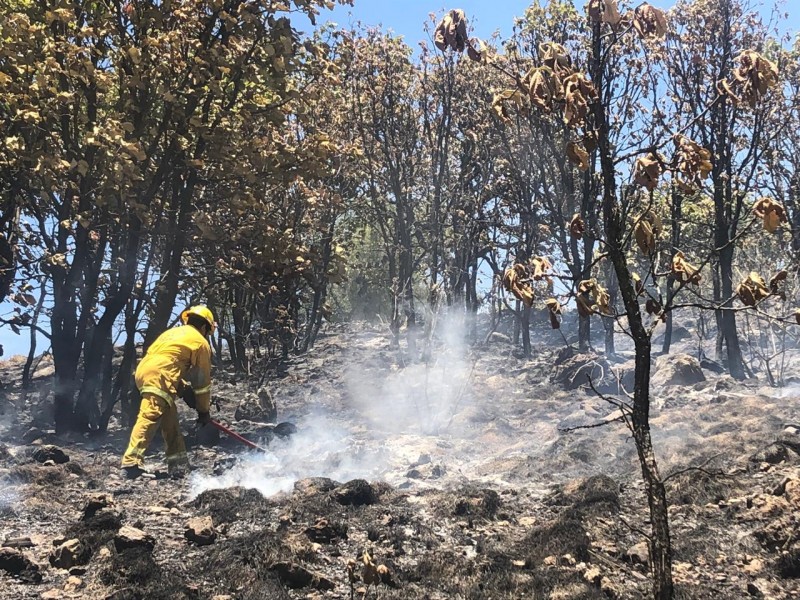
(774,286)
(578,155)
(554,311)
(692,161)
(543,87)
(646,231)
(578,93)
(602,301)
(540,267)
(683,271)
(647,170)
(752,289)
(516,281)
(556,58)
(451,31)
(754,75)
(604,11)
(650,21)
(653,307)
(576,226)
(771,212)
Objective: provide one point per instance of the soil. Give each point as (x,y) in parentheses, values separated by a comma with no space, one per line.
(472,475)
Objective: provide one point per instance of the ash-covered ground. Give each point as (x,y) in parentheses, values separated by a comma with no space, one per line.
(468,475)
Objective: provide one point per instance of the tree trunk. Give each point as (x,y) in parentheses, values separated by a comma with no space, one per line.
(660,546)
(728,318)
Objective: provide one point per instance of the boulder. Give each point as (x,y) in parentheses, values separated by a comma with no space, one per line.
(130,537)
(677,369)
(357,492)
(200,531)
(638,554)
(258,407)
(16,564)
(50,453)
(70,553)
(573,372)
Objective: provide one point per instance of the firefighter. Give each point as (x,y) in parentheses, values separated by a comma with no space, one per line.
(177,365)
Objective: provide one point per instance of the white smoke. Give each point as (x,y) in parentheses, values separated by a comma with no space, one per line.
(390,415)
(320,448)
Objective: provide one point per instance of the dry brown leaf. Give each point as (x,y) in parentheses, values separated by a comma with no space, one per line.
(578,93)
(752,289)
(646,231)
(554,311)
(602,301)
(650,21)
(774,284)
(555,58)
(692,161)
(773,213)
(499,103)
(578,155)
(543,87)
(577,226)
(541,267)
(683,271)
(755,74)
(647,170)
(516,281)
(604,11)
(451,31)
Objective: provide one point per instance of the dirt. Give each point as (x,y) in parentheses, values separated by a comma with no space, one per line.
(467,477)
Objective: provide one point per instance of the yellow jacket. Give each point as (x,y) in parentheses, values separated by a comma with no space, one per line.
(181,353)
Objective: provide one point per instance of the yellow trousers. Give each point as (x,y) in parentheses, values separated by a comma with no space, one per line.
(154,412)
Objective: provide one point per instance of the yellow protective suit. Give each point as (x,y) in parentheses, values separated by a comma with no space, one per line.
(177,355)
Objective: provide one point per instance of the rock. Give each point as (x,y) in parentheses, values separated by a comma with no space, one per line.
(130,537)
(592,576)
(639,554)
(754,589)
(200,531)
(285,429)
(610,589)
(677,369)
(73,584)
(49,452)
(791,491)
(315,485)
(576,371)
(33,434)
(16,564)
(5,455)
(70,553)
(499,338)
(598,492)
(296,576)
(18,542)
(257,407)
(95,504)
(357,492)
(773,454)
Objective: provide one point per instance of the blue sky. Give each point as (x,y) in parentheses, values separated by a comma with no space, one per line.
(407,17)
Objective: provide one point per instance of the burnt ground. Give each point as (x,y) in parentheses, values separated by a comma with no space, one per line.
(454,478)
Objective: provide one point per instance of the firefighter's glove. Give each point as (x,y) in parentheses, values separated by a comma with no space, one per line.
(188,395)
(203,418)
